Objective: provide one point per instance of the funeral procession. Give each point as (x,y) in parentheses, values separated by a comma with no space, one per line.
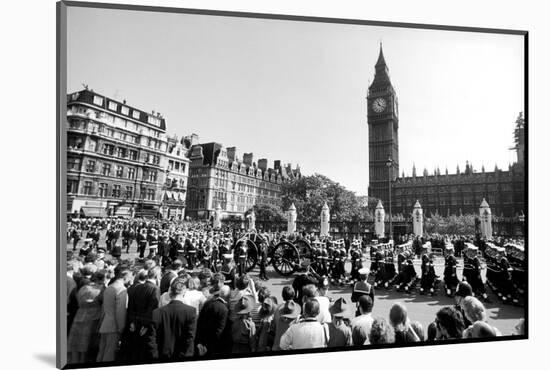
(179,248)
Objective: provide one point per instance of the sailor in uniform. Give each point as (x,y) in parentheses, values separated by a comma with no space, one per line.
(428,278)
(362,287)
(142,242)
(472,272)
(450,277)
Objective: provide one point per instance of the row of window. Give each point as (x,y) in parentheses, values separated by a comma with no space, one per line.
(107,169)
(98,100)
(115,191)
(176,166)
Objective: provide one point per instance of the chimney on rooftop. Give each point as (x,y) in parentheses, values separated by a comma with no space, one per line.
(232,154)
(247,158)
(262,164)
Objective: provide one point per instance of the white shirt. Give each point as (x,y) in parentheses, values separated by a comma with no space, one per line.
(324,313)
(308,333)
(195,299)
(362,323)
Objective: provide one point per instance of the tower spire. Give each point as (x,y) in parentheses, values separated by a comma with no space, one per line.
(381,61)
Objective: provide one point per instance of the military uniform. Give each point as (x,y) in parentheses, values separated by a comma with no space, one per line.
(450,277)
(428,278)
(472,274)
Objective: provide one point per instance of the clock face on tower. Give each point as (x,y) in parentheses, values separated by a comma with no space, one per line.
(379,105)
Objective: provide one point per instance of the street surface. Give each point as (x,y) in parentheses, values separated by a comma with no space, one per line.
(422,308)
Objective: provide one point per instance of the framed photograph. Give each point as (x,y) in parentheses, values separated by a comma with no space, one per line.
(235,185)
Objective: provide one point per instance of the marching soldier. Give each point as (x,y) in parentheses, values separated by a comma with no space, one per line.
(128,235)
(408,280)
(263,260)
(449,275)
(191,250)
(356,260)
(228,270)
(94,235)
(86,248)
(389,267)
(380,271)
(428,278)
(242,254)
(142,242)
(472,272)
(76,234)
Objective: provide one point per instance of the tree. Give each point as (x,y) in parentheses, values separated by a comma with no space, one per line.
(267,212)
(309,193)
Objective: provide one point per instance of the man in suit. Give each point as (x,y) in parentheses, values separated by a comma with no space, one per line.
(115,300)
(175,325)
(213,324)
(139,337)
(171,273)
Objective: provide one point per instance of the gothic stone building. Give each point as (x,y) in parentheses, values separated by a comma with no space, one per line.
(217,176)
(115,157)
(447,194)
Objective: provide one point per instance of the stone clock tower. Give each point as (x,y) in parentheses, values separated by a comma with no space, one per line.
(383,124)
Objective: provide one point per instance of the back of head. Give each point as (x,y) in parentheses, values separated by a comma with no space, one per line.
(242,282)
(473,309)
(398,315)
(365,303)
(381,332)
(153,273)
(149,264)
(481,329)
(432,332)
(178,287)
(311,308)
(451,320)
(193,283)
(176,265)
(309,291)
(417,327)
(263,293)
(225,291)
(288,293)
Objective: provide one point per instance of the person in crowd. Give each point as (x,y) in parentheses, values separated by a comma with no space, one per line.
(175,325)
(339,331)
(83,343)
(519,329)
(263,254)
(474,311)
(481,329)
(463,291)
(381,332)
(308,332)
(139,342)
(449,323)
(361,325)
(404,333)
(243,329)
(265,331)
(417,327)
(115,301)
(193,296)
(244,286)
(284,315)
(212,323)
(431,332)
(169,275)
(263,293)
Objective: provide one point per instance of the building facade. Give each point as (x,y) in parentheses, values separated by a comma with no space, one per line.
(177,173)
(217,176)
(444,194)
(116,157)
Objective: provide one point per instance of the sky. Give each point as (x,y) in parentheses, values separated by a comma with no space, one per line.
(295,91)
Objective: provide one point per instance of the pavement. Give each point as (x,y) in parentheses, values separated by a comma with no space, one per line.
(422,308)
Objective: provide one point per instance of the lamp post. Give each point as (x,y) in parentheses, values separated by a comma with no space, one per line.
(389,164)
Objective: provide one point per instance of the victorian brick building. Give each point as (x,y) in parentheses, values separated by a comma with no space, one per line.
(115,157)
(442,193)
(218,176)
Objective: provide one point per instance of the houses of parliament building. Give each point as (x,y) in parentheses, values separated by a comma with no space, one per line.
(441,193)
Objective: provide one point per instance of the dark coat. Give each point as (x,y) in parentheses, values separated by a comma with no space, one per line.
(175,326)
(138,342)
(211,326)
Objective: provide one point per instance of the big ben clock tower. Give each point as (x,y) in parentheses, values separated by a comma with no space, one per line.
(383,124)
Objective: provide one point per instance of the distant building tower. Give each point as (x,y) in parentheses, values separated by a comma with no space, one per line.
(383,124)
(379,216)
